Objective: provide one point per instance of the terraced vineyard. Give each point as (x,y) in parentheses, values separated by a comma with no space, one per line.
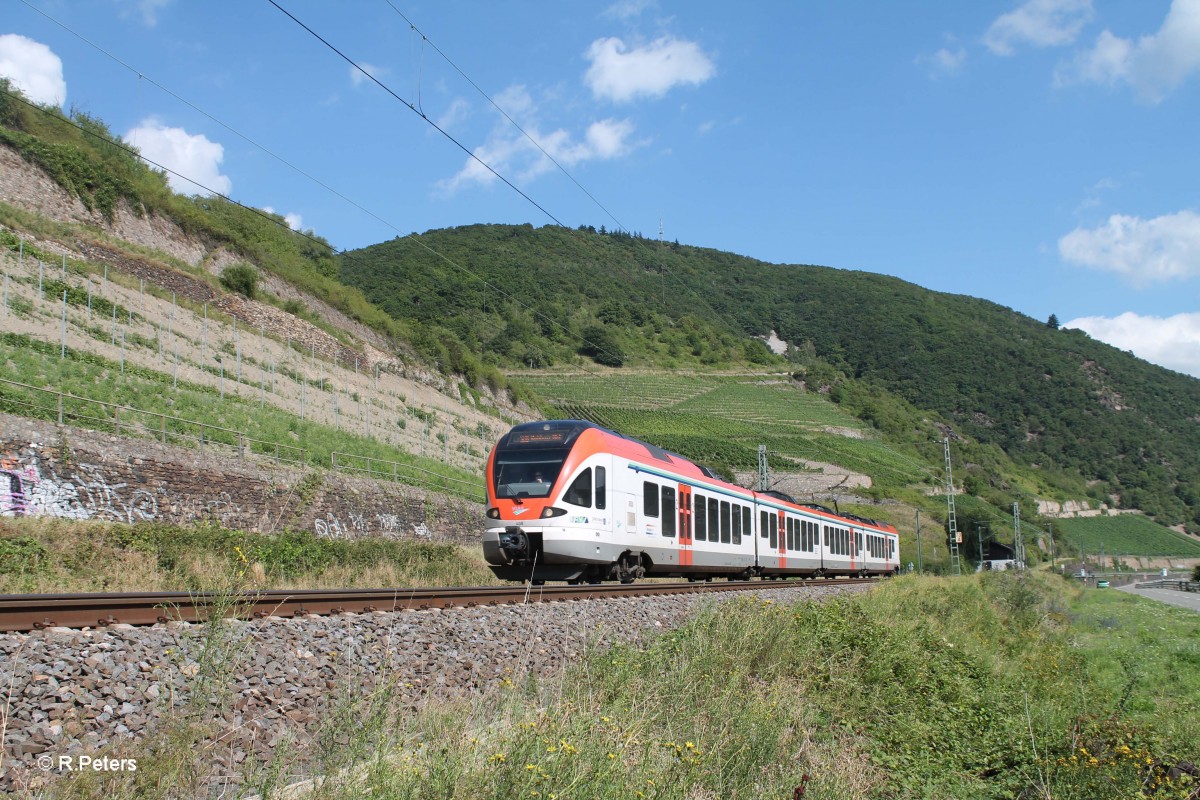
(1127,534)
(720,419)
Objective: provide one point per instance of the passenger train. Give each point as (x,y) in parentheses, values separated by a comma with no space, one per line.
(570,501)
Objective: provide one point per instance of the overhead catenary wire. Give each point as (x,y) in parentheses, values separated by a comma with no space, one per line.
(425,39)
(410,106)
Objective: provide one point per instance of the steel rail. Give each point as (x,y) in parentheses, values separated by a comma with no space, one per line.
(29,612)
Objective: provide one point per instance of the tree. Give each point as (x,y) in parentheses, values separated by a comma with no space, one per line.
(1052,323)
(600,346)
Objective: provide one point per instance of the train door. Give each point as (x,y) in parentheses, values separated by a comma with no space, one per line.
(685,525)
(780,520)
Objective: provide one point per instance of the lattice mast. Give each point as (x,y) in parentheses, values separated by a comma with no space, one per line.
(951,520)
(1018,543)
(764,472)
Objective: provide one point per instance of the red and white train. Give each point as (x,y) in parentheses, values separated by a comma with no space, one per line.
(569,500)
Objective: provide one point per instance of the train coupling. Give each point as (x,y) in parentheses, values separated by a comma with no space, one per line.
(514,544)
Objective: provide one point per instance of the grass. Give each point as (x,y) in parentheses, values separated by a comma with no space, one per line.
(1126,534)
(993,686)
(39,555)
(89,375)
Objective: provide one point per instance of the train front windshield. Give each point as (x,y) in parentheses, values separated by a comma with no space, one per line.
(530,457)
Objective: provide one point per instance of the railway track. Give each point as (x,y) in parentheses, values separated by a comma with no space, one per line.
(31,612)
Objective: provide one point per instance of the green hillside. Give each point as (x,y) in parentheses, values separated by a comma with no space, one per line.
(1126,534)
(1033,408)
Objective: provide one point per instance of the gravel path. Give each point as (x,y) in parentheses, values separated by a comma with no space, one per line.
(95,692)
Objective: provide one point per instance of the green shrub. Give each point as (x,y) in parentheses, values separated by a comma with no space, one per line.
(240,278)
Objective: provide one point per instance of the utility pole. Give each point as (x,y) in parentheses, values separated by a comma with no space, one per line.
(764,472)
(979,538)
(951,519)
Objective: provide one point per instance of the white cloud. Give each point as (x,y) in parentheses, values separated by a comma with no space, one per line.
(1042,23)
(357,77)
(455,114)
(620,73)
(1153,65)
(147,9)
(513,155)
(625,9)
(192,155)
(1171,342)
(1143,250)
(33,68)
(293,220)
(944,62)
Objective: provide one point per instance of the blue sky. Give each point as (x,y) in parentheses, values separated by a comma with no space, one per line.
(1041,154)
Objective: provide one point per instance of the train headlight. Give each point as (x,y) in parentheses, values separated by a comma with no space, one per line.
(551,511)
(493,513)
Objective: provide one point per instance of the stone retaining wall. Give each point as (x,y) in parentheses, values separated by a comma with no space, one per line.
(75,473)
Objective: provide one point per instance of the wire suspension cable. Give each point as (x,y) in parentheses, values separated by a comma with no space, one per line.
(418,112)
(503,113)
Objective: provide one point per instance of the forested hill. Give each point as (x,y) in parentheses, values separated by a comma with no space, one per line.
(1054,400)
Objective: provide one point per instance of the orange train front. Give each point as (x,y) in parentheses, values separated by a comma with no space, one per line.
(571,501)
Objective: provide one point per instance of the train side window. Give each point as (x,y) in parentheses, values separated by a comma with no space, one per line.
(791,534)
(649,499)
(826,536)
(737,524)
(714,519)
(747,516)
(601,487)
(668,503)
(699,518)
(762,524)
(580,492)
(891,547)
(726,530)
(774,531)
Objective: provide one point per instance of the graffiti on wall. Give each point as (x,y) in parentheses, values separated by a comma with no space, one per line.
(360,526)
(85,493)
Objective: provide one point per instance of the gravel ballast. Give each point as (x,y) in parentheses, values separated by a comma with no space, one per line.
(100,692)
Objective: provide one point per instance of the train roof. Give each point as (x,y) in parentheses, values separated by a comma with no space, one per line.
(565,432)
